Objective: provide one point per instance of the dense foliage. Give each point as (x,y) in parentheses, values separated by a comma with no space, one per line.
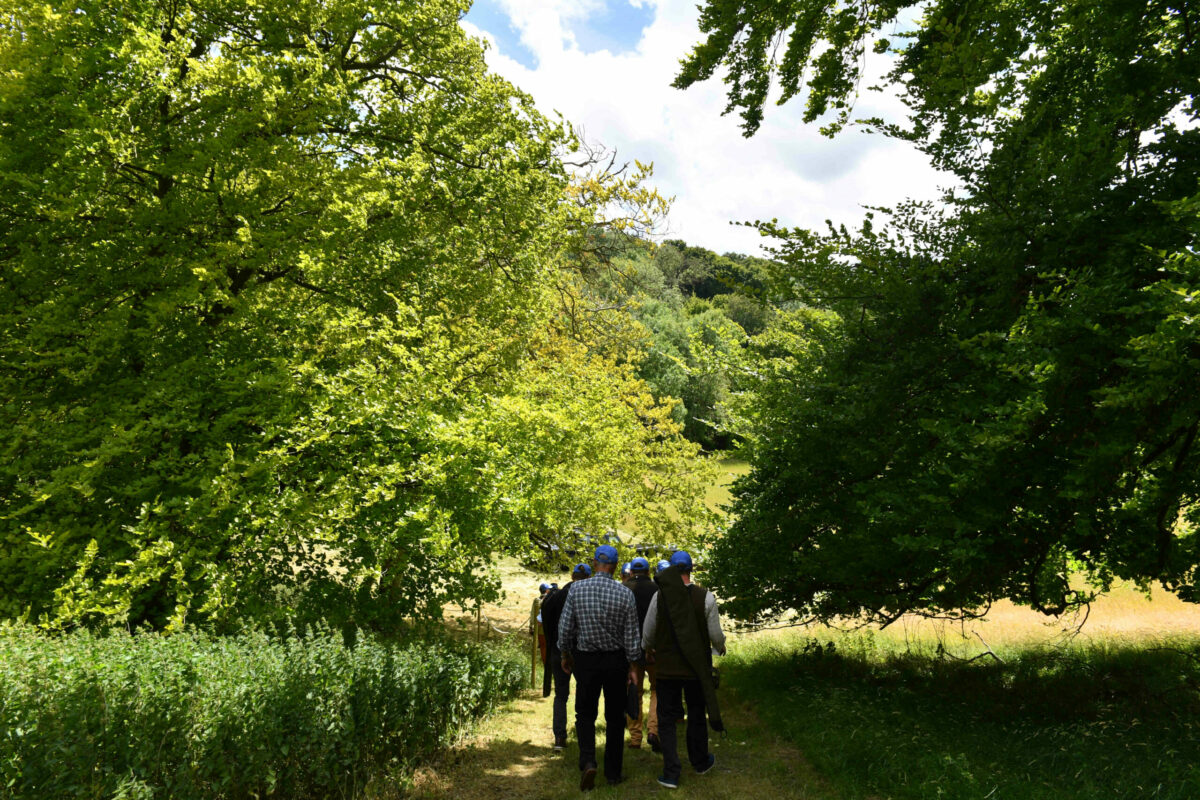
(278,333)
(985,401)
(689,307)
(193,716)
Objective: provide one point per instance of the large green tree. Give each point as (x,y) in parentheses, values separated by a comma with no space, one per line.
(993,399)
(267,272)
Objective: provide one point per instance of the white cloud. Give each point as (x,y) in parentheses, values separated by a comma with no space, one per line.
(786,171)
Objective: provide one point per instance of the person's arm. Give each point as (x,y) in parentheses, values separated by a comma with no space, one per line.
(632,640)
(631,635)
(650,626)
(566,630)
(551,614)
(713,616)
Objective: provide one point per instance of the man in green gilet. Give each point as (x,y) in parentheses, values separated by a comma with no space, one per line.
(683,628)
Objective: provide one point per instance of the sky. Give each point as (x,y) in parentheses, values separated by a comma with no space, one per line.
(607,67)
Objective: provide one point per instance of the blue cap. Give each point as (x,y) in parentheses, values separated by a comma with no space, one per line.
(581,570)
(664,564)
(625,568)
(606,554)
(544,587)
(681,559)
(639,564)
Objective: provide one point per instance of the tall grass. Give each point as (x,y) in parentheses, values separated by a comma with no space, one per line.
(254,715)
(1083,720)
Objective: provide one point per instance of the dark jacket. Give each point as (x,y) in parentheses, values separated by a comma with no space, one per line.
(552,608)
(643,589)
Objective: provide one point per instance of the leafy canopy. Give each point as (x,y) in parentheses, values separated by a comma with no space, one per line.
(998,398)
(276,316)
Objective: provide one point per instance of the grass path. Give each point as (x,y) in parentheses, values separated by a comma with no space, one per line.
(509,756)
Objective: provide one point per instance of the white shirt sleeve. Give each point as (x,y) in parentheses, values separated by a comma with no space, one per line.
(715,634)
(650,626)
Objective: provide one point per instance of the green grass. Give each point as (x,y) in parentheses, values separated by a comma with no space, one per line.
(1083,721)
(717,494)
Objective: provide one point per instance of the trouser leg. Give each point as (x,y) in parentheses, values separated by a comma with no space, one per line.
(652,713)
(614,720)
(670,711)
(588,686)
(697,726)
(635,724)
(562,691)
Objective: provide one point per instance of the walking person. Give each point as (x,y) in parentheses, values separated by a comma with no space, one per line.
(683,628)
(600,642)
(551,614)
(643,590)
(537,629)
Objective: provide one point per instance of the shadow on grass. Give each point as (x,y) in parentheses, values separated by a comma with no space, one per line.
(1079,722)
(508,759)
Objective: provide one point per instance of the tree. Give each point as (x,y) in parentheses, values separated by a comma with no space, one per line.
(994,400)
(266,271)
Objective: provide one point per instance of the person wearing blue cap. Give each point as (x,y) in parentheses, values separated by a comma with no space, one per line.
(664,564)
(551,614)
(538,630)
(643,590)
(682,630)
(601,644)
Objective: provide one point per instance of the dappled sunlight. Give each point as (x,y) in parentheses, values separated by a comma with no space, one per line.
(510,757)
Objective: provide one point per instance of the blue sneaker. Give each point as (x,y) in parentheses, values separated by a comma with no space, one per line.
(707,765)
(667,783)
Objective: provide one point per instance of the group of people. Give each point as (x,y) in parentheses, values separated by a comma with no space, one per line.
(613,637)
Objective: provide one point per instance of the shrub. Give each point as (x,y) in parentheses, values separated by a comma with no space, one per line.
(192,715)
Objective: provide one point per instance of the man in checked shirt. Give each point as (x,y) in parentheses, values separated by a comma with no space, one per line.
(600,643)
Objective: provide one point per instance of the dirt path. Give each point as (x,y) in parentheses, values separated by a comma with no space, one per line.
(509,756)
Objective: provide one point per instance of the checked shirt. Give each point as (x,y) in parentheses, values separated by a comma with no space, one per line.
(600,615)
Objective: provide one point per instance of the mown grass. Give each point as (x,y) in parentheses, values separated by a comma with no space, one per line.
(509,756)
(1088,719)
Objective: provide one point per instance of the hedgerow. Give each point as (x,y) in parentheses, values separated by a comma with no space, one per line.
(192,715)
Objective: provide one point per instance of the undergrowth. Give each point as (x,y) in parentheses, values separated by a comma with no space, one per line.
(1084,720)
(254,715)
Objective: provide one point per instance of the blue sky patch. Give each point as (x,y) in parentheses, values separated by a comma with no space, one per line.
(617,28)
(487,15)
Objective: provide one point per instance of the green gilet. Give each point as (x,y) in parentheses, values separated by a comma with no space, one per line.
(669,661)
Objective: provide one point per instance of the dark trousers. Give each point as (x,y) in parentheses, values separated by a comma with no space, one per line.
(595,674)
(672,692)
(562,690)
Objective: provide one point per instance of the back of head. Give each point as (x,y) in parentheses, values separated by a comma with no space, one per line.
(581,571)
(606,554)
(682,560)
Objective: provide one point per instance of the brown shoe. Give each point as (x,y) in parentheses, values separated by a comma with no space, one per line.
(587,781)
(655,745)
